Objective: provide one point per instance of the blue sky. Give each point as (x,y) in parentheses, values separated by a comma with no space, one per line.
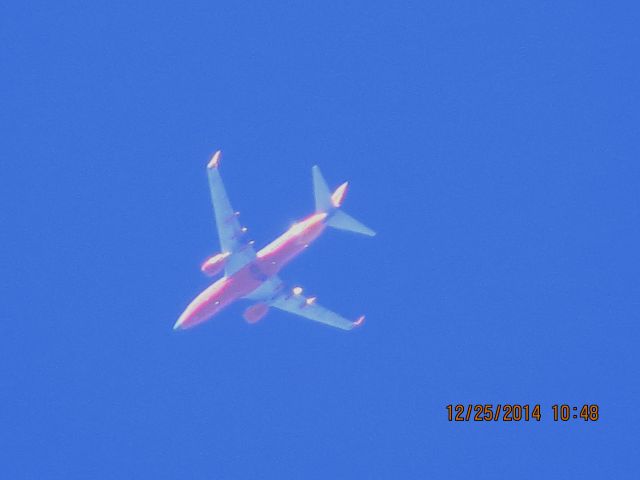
(493,146)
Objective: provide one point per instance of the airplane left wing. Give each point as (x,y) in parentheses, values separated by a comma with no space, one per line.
(230,233)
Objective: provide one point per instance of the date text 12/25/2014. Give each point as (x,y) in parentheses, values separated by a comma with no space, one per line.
(514,412)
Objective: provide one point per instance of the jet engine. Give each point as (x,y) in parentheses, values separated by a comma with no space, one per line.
(254,313)
(214,264)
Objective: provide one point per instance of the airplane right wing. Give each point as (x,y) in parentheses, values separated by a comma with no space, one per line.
(274,294)
(230,233)
(308,308)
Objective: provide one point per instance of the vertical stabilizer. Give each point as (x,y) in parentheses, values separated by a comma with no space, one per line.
(330,203)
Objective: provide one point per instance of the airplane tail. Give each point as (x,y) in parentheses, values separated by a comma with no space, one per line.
(331,202)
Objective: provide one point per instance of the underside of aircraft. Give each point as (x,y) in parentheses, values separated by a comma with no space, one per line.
(252,275)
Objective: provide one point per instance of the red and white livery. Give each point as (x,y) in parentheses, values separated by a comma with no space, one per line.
(252,275)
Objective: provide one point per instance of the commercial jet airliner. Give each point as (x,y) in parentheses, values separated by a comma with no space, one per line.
(252,275)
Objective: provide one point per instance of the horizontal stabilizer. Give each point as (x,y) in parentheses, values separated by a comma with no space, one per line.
(321,191)
(343,221)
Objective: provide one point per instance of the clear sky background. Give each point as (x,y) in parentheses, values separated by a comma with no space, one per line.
(494,147)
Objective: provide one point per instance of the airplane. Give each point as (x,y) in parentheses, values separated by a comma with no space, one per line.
(252,275)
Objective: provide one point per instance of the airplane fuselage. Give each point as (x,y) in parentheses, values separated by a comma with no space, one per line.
(268,262)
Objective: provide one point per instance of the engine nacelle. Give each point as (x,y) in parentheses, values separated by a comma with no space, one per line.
(254,313)
(214,264)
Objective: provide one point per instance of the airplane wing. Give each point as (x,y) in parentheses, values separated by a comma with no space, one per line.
(230,233)
(308,308)
(274,294)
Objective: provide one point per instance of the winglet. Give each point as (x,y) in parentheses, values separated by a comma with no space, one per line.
(215,159)
(358,322)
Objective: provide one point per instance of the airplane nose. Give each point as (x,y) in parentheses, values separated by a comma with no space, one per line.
(184,319)
(203,307)
(179,322)
(195,313)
